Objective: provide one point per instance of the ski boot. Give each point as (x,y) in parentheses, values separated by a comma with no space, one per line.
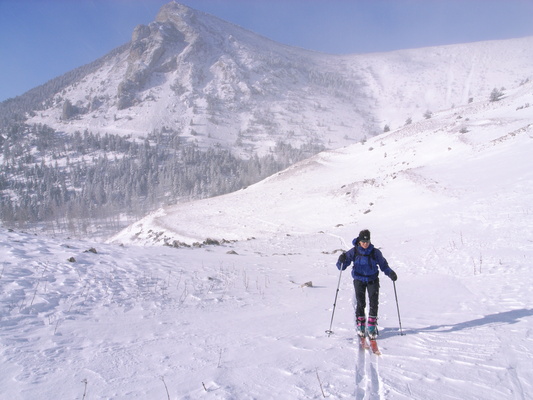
(361,323)
(372,328)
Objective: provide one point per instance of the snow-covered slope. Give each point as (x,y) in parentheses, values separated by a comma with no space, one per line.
(216,83)
(448,201)
(408,83)
(449,164)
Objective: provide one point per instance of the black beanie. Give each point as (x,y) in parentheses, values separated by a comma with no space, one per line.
(364,235)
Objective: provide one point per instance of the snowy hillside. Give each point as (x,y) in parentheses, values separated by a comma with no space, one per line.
(215,83)
(448,164)
(448,201)
(133,322)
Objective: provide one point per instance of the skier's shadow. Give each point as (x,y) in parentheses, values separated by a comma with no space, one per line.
(507,317)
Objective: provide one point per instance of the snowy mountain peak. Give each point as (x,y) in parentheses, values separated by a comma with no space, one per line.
(188,47)
(172,9)
(214,83)
(182,17)
(160,47)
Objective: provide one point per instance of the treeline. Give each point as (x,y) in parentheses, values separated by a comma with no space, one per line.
(67,182)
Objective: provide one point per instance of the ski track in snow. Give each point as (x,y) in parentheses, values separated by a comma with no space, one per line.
(367,379)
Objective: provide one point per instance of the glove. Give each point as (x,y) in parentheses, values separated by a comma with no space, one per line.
(393,275)
(342,258)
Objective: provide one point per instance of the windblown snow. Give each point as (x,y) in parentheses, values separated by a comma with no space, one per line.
(448,201)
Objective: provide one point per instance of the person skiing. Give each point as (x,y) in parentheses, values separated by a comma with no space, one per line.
(366,260)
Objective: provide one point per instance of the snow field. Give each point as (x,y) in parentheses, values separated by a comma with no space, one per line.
(451,211)
(134,322)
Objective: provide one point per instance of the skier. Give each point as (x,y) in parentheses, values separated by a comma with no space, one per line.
(366,259)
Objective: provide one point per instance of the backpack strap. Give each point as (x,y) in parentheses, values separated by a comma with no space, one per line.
(371,255)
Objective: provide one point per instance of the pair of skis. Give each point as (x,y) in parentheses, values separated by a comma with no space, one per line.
(371,344)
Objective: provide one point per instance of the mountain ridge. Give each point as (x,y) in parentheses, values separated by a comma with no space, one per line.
(214,82)
(144,114)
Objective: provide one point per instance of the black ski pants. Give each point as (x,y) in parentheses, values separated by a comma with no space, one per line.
(361,289)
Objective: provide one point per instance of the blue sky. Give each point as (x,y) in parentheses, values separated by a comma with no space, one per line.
(42,39)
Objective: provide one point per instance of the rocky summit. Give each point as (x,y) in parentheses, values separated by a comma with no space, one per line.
(214,83)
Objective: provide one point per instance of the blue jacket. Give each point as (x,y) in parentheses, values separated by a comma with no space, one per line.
(365,263)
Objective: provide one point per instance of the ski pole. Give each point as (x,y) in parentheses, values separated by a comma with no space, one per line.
(398,308)
(329,331)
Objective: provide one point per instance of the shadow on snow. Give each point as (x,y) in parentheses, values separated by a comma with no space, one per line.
(507,317)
